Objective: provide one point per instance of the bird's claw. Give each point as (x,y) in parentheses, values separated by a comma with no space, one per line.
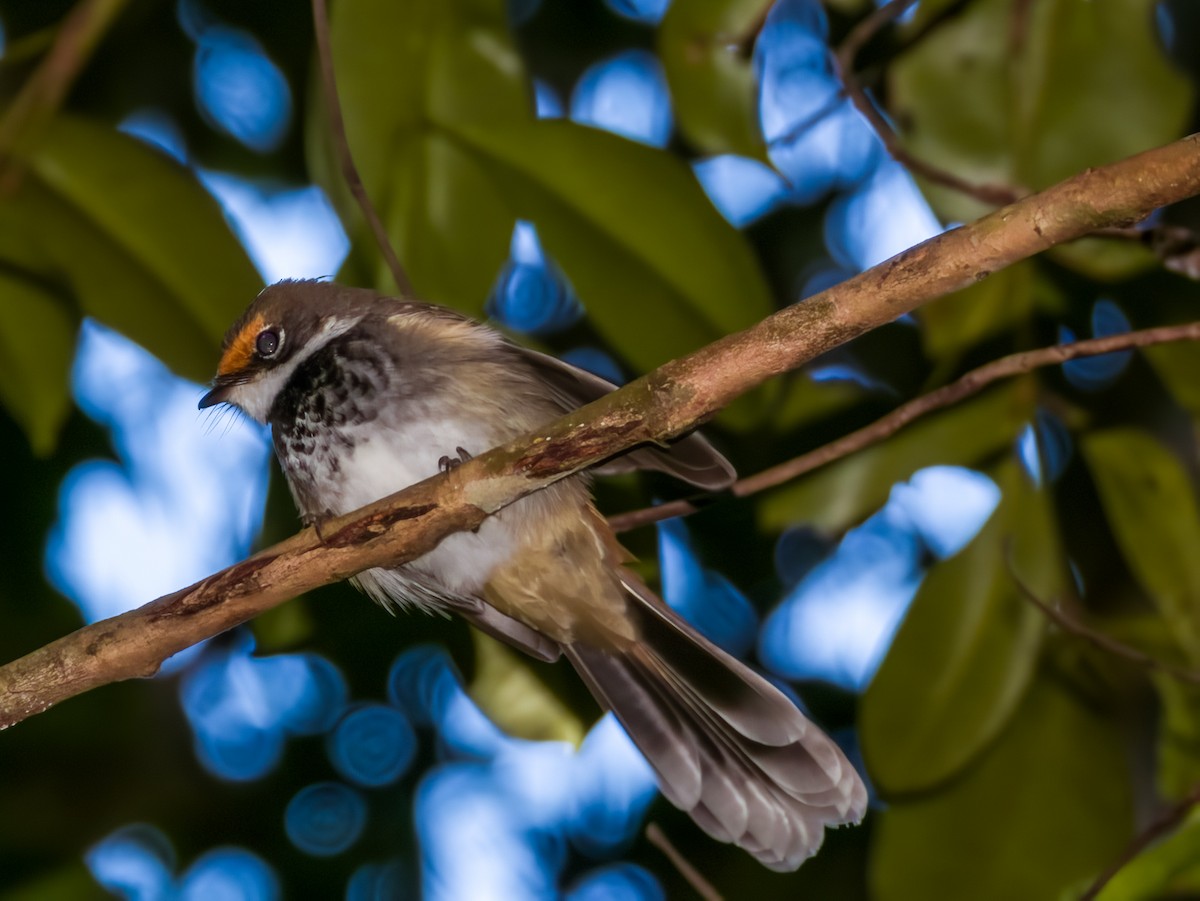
(316,521)
(447,463)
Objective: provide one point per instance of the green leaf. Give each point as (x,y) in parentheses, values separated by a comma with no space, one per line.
(37,340)
(452,153)
(1048,805)
(1094,86)
(967,649)
(952,91)
(450,224)
(1178,365)
(1150,502)
(843,493)
(955,323)
(1169,868)
(1084,84)
(508,691)
(404,70)
(802,401)
(671,265)
(704,47)
(1178,736)
(132,238)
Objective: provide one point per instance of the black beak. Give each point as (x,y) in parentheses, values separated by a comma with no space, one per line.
(218,395)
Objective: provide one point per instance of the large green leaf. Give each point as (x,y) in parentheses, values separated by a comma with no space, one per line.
(967,648)
(703,45)
(1151,505)
(511,694)
(646,249)
(843,493)
(405,70)
(37,338)
(100,224)
(132,237)
(450,224)
(1169,868)
(1178,736)
(445,136)
(1047,806)
(1178,365)
(1029,102)
(952,324)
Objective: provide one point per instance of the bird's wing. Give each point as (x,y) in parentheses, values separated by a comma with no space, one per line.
(691,458)
(487,619)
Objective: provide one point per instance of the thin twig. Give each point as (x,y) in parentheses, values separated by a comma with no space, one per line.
(1099,640)
(865,30)
(686,869)
(970,383)
(1168,822)
(847,54)
(337,128)
(46,89)
(830,106)
(1018,26)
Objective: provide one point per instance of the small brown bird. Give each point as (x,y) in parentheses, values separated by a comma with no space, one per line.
(366,394)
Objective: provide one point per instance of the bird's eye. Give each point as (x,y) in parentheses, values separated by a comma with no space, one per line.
(267,342)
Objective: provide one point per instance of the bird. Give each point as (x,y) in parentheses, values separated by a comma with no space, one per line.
(366,394)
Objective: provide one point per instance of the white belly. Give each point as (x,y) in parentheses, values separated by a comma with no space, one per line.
(376,467)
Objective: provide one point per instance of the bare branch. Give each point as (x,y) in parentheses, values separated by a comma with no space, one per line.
(971,383)
(1099,640)
(337,129)
(668,402)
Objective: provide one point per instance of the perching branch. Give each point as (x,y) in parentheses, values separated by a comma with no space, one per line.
(668,402)
(971,383)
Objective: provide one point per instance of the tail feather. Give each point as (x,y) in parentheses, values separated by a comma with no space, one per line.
(728,747)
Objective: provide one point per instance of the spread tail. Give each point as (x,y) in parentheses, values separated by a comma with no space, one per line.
(728,747)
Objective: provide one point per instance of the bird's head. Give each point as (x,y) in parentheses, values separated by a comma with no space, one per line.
(285,324)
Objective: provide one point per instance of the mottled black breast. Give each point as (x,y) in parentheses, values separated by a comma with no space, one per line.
(335,391)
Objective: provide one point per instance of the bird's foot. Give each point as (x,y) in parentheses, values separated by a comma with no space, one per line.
(317,521)
(447,463)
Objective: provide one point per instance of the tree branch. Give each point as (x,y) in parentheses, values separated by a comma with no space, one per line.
(971,383)
(655,408)
(337,128)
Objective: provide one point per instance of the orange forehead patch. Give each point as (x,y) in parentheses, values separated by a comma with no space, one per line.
(240,351)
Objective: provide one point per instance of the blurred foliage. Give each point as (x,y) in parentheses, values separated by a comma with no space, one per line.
(965,655)
(1010,761)
(704,47)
